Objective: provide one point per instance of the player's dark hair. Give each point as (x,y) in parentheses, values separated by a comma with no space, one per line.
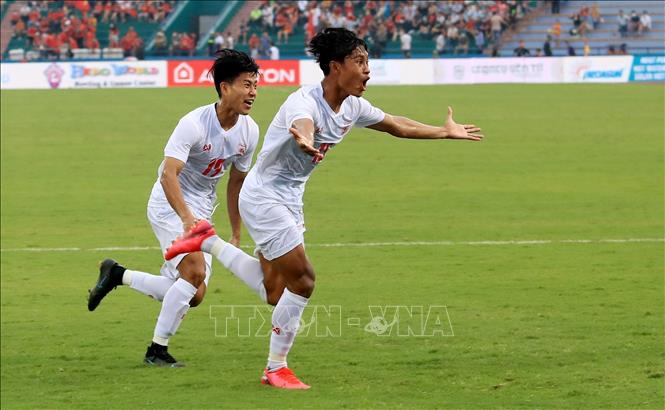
(229,64)
(334,44)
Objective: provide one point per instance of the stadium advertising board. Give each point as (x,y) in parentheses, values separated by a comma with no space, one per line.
(648,68)
(608,69)
(194,73)
(383,72)
(495,70)
(84,74)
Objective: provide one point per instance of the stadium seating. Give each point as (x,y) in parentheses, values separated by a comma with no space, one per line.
(200,20)
(145,28)
(422,46)
(600,39)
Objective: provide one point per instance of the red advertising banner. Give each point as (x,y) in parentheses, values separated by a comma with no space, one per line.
(194,73)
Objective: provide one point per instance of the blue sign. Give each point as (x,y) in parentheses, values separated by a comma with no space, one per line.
(648,68)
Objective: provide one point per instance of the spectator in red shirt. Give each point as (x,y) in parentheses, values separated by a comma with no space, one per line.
(91,41)
(83,6)
(52,45)
(98,11)
(32,34)
(34,16)
(127,41)
(72,43)
(187,44)
(254,43)
(108,13)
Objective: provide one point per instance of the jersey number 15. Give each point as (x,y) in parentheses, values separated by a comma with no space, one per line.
(215,166)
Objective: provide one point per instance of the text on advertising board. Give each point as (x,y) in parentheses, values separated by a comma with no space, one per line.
(194,73)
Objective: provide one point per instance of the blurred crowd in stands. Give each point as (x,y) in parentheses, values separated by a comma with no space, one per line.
(181,44)
(55,28)
(452,26)
(584,21)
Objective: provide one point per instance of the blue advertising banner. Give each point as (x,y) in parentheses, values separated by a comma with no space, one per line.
(648,68)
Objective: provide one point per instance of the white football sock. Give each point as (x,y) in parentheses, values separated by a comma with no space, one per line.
(154,286)
(174,308)
(246,268)
(285,324)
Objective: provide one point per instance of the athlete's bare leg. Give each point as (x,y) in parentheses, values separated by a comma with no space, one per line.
(192,268)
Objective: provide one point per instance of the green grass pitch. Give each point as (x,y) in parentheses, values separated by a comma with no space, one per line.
(572,322)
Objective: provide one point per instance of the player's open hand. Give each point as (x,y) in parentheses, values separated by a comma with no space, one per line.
(305,144)
(459,131)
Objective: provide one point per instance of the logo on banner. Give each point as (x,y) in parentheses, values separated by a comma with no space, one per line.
(277,75)
(602,74)
(54,75)
(183,73)
(194,73)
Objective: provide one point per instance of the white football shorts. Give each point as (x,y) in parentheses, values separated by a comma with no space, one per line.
(167,226)
(275,228)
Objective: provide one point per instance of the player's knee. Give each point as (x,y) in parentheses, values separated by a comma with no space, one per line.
(194,276)
(196,300)
(198,296)
(193,271)
(303,282)
(273,295)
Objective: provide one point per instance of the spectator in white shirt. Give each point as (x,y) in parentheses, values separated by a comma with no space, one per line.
(440,43)
(405,40)
(274,51)
(645,22)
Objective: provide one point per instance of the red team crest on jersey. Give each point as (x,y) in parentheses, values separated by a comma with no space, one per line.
(207,147)
(242,148)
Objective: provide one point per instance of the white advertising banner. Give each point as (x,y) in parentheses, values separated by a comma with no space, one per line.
(146,74)
(497,70)
(84,74)
(310,72)
(382,72)
(608,69)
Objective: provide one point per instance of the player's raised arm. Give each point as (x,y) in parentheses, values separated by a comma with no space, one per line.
(403,127)
(303,132)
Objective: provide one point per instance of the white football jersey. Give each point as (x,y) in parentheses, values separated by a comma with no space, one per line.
(207,151)
(282,169)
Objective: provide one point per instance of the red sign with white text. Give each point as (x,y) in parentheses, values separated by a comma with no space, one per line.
(194,73)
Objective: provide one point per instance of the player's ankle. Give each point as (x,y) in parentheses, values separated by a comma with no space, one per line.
(213,245)
(117,273)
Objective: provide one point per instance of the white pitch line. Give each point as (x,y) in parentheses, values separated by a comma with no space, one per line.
(369,244)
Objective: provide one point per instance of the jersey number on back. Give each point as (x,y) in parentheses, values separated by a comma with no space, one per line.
(215,166)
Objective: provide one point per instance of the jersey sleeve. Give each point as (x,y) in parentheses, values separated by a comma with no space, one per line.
(368,114)
(244,162)
(298,106)
(184,137)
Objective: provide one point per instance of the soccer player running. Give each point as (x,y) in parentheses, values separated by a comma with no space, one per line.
(206,143)
(312,121)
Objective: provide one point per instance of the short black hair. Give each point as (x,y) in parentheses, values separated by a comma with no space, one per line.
(229,64)
(334,44)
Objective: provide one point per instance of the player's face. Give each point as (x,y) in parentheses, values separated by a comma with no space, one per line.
(354,72)
(240,94)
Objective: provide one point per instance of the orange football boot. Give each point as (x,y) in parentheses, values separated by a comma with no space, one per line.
(283,378)
(191,240)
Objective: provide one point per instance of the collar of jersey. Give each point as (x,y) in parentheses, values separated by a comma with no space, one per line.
(219,126)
